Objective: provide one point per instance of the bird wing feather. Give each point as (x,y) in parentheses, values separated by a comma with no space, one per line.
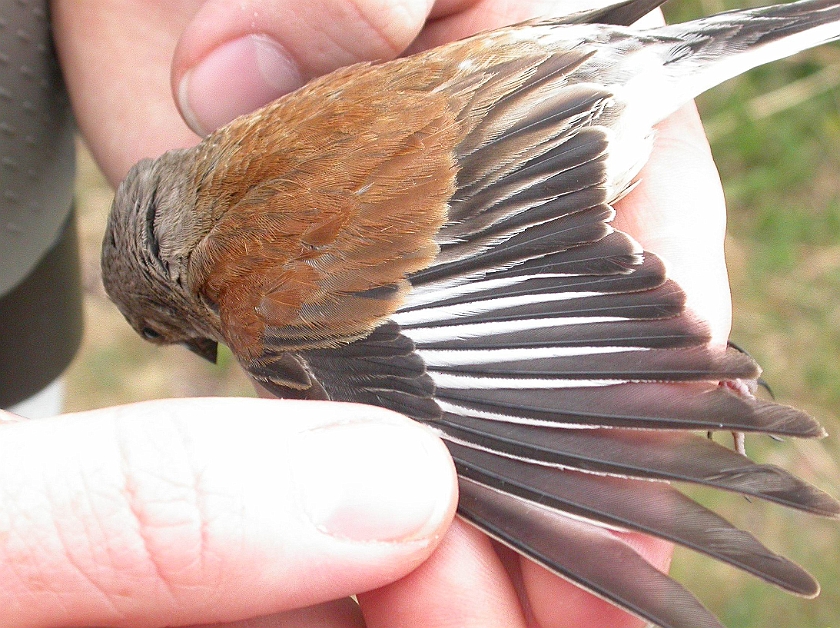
(567,547)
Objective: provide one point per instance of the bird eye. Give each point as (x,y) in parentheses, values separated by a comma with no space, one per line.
(150,334)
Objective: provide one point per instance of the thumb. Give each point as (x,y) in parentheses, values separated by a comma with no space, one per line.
(236,56)
(195,511)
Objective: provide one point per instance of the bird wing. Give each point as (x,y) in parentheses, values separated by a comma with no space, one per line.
(560,365)
(325,201)
(532,335)
(320,216)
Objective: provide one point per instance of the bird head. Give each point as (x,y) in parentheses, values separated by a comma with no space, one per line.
(143,273)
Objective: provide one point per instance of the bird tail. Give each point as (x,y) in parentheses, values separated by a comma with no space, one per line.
(703,53)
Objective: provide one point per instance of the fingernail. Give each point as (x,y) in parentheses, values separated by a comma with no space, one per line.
(237,77)
(374,481)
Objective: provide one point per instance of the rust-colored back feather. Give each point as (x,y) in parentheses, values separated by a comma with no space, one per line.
(310,219)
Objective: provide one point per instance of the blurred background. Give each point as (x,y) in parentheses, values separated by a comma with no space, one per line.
(775,134)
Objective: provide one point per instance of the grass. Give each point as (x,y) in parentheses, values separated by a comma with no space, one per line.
(780,166)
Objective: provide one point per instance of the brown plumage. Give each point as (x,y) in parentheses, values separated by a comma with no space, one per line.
(314,244)
(432,235)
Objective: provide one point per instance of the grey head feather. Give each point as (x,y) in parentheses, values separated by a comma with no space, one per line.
(145,251)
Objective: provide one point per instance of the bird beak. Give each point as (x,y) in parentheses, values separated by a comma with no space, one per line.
(206,348)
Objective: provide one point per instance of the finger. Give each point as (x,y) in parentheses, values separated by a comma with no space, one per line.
(344,613)
(462,585)
(190,511)
(557,603)
(116,59)
(455,19)
(678,212)
(235,56)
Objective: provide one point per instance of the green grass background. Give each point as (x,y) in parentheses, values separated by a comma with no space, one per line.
(776,138)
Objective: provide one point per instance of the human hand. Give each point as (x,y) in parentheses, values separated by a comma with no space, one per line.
(192,511)
(127,111)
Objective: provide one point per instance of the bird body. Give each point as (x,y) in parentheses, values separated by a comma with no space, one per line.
(432,235)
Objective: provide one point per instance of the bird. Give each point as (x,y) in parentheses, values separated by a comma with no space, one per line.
(432,234)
